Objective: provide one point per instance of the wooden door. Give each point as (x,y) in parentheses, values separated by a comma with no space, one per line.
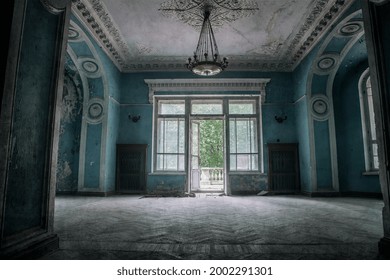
(131,168)
(283,165)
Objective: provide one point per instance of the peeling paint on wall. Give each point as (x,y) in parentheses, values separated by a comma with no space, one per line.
(70,129)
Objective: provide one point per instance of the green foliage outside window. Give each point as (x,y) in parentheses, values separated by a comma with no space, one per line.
(211,143)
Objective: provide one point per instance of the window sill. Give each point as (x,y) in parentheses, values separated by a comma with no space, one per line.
(162,173)
(247,173)
(370,173)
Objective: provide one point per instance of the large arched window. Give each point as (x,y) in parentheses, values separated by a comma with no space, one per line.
(368,123)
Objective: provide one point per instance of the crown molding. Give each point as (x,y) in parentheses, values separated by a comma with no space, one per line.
(94,14)
(97,19)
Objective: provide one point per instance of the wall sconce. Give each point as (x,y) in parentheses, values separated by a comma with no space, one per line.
(134,118)
(280,119)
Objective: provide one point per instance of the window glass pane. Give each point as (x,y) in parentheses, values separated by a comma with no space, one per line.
(170,144)
(206,108)
(243,136)
(375,149)
(254,162)
(171,107)
(243,162)
(171,136)
(233,140)
(233,162)
(195,140)
(181,162)
(195,163)
(160,135)
(170,162)
(160,162)
(242,107)
(253,129)
(372,117)
(376,162)
(181,136)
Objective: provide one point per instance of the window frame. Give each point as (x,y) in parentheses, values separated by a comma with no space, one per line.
(255,115)
(367,117)
(188,99)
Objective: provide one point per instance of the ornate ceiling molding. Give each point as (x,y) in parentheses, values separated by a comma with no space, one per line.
(221,11)
(315,26)
(206,85)
(95,16)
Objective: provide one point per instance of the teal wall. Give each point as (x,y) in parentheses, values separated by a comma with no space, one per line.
(300,80)
(287,95)
(70,129)
(135,101)
(349,132)
(101,136)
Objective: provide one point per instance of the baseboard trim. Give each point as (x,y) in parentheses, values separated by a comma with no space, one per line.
(31,249)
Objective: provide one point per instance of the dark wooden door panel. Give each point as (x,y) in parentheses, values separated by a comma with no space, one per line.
(283,173)
(131,168)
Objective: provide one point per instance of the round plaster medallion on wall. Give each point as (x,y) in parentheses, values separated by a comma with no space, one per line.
(90,67)
(351,28)
(95,110)
(73,34)
(326,63)
(320,107)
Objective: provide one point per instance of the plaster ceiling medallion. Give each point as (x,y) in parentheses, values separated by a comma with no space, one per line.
(326,63)
(351,28)
(320,107)
(191,12)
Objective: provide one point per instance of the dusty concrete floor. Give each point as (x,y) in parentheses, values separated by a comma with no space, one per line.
(217,227)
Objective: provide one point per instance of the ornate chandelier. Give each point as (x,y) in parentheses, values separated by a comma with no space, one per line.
(206,60)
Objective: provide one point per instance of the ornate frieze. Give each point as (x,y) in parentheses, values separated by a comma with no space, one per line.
(314,26)
(95,15)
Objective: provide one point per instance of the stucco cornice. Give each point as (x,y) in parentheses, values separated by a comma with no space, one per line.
(95,16)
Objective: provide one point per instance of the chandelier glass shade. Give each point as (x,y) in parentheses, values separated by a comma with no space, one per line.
(206,60)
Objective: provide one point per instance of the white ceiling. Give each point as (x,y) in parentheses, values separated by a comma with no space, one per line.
(270,38)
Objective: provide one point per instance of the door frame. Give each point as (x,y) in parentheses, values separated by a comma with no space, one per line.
(189,155)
